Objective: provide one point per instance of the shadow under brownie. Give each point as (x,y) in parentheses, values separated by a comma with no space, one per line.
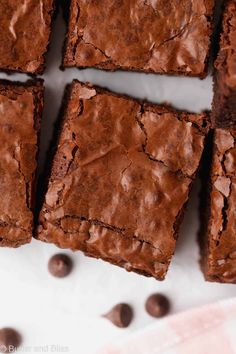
(218,233)
(165,36)
(20,115)
(120,178)
(25,32)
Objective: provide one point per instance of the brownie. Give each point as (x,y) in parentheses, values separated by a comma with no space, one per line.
(165,36)
(218,229)
(118,187)
(20,114)
(224,101)
(25,30)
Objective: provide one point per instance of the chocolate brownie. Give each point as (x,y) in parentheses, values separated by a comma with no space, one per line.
(118,185)
(20,114)
(25,30)
(218,232)
(165,36)
(224,102)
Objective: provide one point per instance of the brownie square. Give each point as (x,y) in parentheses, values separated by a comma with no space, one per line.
(25,30)
(118,187)
(165,36)
(224,102)
(218,233)
(20,114)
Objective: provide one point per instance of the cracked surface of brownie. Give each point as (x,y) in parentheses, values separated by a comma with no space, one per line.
(164,36)
(20,114)
(121,178)
(224,102)
(25,30)
(219,249)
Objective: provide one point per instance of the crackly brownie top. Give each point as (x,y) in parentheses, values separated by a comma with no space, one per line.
(223,221)
(165,36)
(18,148)
(122,165)
(25,29)
(226,60)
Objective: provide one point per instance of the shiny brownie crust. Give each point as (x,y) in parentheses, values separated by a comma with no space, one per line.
(224,102)
(25,32)
(118,186)
(164,36)
(218,232)
(20,115)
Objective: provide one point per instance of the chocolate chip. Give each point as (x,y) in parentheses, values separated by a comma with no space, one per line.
(60,265)
(157,305)
(10,340)
(120,315)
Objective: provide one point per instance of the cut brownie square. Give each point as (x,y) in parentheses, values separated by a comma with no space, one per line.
(224,102)
(120,178)
(165,36)
(20,114)
(218,233)
(25,30)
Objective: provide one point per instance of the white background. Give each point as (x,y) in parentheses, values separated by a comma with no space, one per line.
(67,312)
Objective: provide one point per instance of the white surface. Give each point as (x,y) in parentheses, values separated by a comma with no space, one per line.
(66,313)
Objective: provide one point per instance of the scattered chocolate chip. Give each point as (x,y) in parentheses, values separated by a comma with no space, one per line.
(10,340)
(157,305)
(120,315)
(60,265)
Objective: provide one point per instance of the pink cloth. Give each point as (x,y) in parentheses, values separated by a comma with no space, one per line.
(210,329)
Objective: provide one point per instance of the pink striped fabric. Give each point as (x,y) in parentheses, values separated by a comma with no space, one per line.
(210,329)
